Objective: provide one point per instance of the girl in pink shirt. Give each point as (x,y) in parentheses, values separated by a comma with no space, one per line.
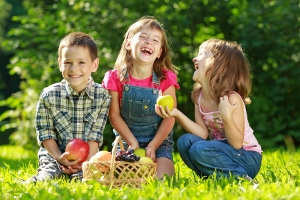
(143,71)
(221,91)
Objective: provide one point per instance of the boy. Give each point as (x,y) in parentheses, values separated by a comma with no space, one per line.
(76,107)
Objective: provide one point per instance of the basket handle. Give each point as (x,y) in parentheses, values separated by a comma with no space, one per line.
(117,141)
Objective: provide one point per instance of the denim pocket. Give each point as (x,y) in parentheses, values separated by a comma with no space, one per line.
(139,109)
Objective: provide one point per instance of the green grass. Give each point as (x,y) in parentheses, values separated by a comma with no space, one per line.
(279,178)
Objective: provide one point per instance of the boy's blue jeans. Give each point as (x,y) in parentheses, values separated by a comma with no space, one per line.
(208,156)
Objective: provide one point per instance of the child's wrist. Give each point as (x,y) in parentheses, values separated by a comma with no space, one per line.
(150,146)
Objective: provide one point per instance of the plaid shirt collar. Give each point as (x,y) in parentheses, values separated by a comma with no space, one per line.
(89,90)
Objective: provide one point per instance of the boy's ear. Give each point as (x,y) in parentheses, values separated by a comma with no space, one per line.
(59,64)
(95,64)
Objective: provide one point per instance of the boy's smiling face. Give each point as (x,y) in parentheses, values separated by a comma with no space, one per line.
(77,66)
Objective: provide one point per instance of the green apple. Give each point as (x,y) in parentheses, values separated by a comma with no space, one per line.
(144,168)
(166,100)
(96,175)
(140,152)
(146,159)
(125,175)
(104,177)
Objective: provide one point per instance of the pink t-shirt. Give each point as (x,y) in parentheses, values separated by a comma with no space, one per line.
(216,130)
(112,82)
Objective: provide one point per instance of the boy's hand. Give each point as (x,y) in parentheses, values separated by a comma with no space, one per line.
(70,167)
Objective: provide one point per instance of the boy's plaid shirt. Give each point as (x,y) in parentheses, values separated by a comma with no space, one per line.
(62,114)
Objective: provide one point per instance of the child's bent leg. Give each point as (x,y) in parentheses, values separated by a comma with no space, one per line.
(184,144)
(164,167)
(164,159)
(220,157)
(48,169)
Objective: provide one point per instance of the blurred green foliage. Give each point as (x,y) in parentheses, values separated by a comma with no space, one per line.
(3,16)
(269,32)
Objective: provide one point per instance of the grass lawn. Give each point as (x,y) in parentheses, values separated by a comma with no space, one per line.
(279,178)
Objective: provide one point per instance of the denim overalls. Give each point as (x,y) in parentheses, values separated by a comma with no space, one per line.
(138,111)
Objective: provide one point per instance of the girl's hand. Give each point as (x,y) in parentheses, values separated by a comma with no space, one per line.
(150,152)
(134,146)
(226,108)
(165,114)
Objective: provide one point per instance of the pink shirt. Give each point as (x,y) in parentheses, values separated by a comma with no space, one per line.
(112,82)
(216,130)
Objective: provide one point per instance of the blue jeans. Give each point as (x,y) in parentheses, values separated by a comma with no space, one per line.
(208,156)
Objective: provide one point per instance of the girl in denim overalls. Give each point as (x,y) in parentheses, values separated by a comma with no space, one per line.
(142,72)
(222,87)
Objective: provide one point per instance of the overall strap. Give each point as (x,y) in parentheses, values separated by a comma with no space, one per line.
(155,80)
(155,83)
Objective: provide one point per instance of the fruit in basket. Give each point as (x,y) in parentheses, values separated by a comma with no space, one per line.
(144,167)
(146,159)
(102,156)
(128,156)
(166,100)
(125,171)
(104,178)
(77,148)
(141,152)
(96,175)
(127,175)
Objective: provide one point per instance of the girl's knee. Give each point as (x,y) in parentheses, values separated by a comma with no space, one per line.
(165,166)
(184,137)
(183,143)
(200,151)
(186,140)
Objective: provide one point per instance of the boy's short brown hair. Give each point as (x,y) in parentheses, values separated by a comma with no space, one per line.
(79,39)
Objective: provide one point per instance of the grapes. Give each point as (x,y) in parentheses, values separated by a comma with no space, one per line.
(130,151)
(129,156)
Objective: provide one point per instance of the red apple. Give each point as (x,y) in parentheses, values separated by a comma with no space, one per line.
(78,148)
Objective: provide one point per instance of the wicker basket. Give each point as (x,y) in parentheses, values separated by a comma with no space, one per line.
(118,173)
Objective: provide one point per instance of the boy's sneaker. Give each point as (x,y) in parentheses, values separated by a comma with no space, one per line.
(77,177)
(28,181)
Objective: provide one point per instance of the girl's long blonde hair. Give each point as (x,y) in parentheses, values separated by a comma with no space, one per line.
(123,63)
(229,70)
